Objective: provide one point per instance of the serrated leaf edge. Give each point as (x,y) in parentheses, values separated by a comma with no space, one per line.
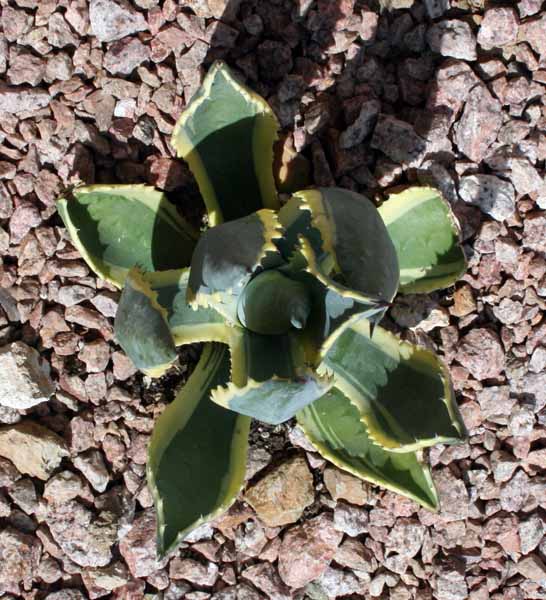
(402,350)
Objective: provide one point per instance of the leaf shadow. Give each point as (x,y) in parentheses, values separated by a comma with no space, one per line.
(346,53)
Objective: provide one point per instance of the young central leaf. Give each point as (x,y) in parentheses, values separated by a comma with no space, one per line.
(272,303)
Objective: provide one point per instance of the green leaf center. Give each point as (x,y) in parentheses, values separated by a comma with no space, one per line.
(272,304)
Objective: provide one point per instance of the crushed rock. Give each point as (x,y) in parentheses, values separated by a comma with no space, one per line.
(24,382)
(450,94)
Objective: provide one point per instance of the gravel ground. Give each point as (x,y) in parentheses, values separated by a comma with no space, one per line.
(444,92)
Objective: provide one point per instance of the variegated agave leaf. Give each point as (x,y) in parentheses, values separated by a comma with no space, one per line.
(197,454)
(402,392)
(157,303)
(118,226)
(286,302)
(334,427)
(335,240)
(226,258)
(270,379)
(333,306)
(141,326)
(426,237)
(348,237)
(226,135)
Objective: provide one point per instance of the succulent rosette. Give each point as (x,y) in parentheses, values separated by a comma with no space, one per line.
(287,300)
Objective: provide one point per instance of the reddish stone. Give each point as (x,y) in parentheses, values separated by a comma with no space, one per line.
(125,55)
(193,571)
(138,546)
(266,578)
(534,231)
(480,352)
(89,318)
(454,498)
(453,38)
(95,355)
(19,558)
(479,124)
(166,173)
(307,549)
(84,537)
(282,495)
(112,20)
(504,531)
(499,27)
(534,32)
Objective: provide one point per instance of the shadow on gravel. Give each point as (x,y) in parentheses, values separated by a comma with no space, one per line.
(358,93)
(357,90)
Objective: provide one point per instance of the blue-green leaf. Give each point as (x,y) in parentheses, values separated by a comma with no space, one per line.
(426,237)
(226,134)
(403,392)
(197,454)
(334,427)
(116,227)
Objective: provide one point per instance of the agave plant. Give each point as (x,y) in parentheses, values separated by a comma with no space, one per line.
(287,300)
